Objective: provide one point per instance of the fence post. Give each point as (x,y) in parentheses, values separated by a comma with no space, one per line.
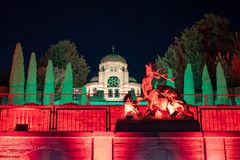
(53,122)
(206,99)
(51,99)
(53,119)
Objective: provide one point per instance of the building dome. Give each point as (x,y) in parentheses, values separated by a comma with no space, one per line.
(131,79)
(113,57)
(94,79)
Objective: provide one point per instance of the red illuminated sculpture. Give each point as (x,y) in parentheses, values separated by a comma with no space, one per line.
(164,101)
(131,108)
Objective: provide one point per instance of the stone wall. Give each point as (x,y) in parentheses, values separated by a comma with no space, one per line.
(119,146)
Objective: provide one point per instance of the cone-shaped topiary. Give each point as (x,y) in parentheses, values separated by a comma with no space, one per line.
(170,75)
(67,88)
(84,95)
(237,100)
(207,90)
(222,92)
(17,77)
(31,84)
(48,93)
(189,90)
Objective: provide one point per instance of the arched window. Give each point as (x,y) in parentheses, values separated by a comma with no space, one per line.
(116,92)
(132,92)
(110,93)
(94,91)
(102,69)
(138,92)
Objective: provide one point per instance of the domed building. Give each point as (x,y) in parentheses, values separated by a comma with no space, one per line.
(113,81)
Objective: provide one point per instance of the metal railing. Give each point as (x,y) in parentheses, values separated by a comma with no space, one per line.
(82,118)
(220,118)
(55,118)
(37,118)
(195,99)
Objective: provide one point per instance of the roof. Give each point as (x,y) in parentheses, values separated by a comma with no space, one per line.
(131,79)
(94,79)
(113,57)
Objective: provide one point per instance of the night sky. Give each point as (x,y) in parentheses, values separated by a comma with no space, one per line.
(139,30)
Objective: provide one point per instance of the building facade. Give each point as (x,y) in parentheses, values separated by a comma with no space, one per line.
(113,81)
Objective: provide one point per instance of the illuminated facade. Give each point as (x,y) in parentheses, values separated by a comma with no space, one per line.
(113,81)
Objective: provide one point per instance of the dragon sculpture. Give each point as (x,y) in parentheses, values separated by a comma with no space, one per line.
(164,101)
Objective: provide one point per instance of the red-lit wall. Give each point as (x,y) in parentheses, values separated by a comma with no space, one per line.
(119,146)
(110,145)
